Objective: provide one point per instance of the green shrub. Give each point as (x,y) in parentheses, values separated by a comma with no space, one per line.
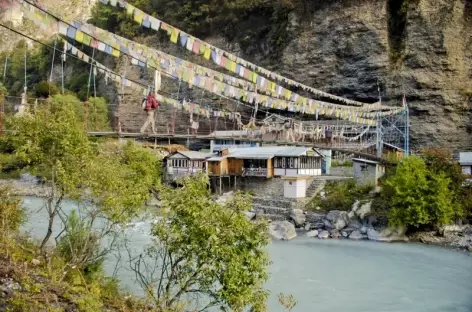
(44,89)
(418,196)
(12,215)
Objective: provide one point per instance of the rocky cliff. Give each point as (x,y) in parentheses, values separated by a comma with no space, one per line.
(347,47)
(422,48)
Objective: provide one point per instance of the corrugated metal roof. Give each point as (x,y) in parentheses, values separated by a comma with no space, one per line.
(266,152)
(216,158)
(193,154)
(365,161)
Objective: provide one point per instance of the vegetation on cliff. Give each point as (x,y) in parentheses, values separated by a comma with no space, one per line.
(242,21)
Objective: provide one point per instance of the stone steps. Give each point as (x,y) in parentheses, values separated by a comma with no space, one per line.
(315,187)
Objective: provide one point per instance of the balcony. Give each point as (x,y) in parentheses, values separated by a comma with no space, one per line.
(255,172)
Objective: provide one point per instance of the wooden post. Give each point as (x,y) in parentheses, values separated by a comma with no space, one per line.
(221,180)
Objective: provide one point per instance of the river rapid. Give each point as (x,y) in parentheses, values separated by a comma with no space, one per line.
(332,275)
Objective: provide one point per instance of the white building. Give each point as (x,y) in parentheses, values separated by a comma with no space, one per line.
(184,163)
(367,172)
(465,161)
(295,187)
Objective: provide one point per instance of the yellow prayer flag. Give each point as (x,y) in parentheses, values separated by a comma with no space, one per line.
(174,36)
(207,53)
(129,9)
(115,53)
(138,17)
(254,77)
(79,36)
(233,66)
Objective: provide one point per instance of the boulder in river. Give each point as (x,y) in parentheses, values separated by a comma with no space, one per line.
(357,235)
(307,226)
(282,230)
(298,216)
(312,233)
(388,235)
(323,234)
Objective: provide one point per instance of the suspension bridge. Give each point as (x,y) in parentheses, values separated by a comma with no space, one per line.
(240,102)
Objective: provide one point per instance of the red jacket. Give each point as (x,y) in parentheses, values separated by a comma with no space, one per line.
(151,103)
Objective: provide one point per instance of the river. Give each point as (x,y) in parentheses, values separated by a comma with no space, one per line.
(338,275)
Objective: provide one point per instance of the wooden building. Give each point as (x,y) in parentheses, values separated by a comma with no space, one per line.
(266,162)
(184,163)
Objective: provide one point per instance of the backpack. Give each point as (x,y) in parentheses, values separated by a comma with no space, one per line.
(143,103)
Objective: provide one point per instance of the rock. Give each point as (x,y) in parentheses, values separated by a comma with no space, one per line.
(153,202)
(312,233)
(282,230)
(224,198)
(327,225)
(388,235)
(35,262)
(364,210)
(355,206)
(338,219)
(357,235)
(28,178)
(335,234)
(249,215)
(363,230)
(307,226)
(351,215)
(344,234)
(323,234)
(298,217)
(319,225)
(355,224)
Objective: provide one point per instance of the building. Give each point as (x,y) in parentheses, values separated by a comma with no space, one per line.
(295,187)
(367,172)
(184,163)
(266,162)
(465,161)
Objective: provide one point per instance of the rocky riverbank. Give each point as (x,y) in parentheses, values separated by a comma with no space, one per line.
(358,224)
(27,185)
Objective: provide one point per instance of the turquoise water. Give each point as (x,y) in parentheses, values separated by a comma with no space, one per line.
(337,275)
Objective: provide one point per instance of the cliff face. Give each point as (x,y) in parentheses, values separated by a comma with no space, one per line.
(347,47)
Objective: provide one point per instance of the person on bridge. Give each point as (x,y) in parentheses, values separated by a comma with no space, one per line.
(150,105)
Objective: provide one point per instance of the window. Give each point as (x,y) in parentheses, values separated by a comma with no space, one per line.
(364,168)
(290,163)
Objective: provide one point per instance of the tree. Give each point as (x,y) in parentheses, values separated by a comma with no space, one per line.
(418,197)
(204,254)
(440,161)
(111,182)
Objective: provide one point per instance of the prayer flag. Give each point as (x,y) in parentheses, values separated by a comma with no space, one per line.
(155,23)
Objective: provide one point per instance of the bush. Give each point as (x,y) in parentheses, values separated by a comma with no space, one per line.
(419,197)
(80,247)
(12,215)
(44,89)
